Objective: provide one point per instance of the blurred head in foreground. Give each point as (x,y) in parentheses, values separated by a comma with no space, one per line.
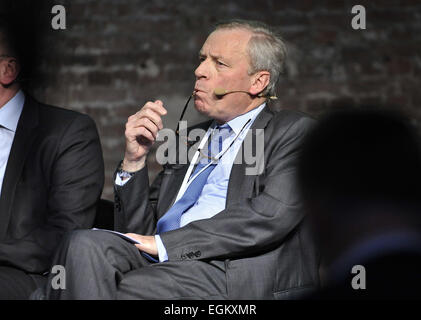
(360,174)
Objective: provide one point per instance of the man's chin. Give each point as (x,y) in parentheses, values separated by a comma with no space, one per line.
(201,108)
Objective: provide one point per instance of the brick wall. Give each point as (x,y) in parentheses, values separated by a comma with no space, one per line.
(117,54)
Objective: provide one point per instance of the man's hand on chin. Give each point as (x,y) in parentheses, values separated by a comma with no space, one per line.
(148,243)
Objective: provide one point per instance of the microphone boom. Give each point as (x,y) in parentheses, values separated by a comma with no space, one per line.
(220,92)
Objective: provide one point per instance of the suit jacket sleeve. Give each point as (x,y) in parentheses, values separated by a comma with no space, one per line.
(257,224)
(76,182)
(135,204)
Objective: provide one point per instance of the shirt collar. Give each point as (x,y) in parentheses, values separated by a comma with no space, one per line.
(11,111)
(238,123)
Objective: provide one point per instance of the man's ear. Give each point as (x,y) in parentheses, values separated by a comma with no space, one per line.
(260,81)
(9,71)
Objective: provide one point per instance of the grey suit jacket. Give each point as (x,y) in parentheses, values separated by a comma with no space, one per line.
(261,239)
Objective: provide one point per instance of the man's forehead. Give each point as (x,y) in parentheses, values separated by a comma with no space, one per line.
(227,41)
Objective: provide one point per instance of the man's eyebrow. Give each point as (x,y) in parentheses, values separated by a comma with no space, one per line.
(213,56)
(216,56)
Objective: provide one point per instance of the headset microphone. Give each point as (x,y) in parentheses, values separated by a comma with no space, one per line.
(220,92)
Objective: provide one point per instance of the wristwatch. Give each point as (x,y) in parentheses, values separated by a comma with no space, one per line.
(123,173)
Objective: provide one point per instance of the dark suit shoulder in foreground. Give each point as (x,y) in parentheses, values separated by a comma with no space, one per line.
(53,180)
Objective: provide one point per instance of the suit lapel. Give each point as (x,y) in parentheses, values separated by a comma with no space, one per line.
(24,137)
(238,169)
(171,183)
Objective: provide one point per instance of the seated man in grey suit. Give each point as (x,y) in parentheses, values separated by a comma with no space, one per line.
(51,175)
(209,228)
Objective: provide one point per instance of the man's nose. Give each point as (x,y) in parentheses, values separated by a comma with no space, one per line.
(201,70)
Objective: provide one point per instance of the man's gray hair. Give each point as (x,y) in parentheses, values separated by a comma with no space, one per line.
(266,49)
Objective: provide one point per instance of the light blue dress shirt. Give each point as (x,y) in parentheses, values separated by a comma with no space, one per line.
(213,197)
(9,118)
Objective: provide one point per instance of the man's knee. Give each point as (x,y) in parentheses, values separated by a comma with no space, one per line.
(88,241)
(84,240)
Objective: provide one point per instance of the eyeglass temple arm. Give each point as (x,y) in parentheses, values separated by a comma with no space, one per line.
(182,114)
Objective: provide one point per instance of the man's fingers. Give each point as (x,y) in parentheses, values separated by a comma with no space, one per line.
(148,124)
(152,115)
(156,106)
(147,245)
(133,235)
(162,110)
(137,132)
(150,130)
